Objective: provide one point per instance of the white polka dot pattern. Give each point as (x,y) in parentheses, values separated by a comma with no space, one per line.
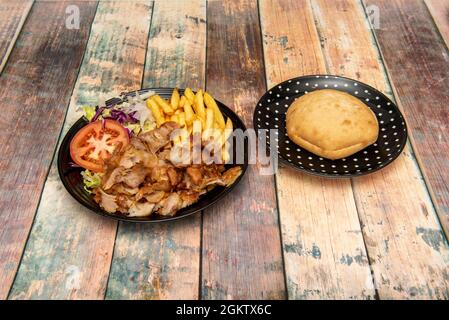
(272,107)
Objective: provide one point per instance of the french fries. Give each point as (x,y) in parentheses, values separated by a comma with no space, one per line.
(196,127)
(196,114)
(199,105)
(190,116)
(157,113)
(174,100)
(210,103)
(189,95)
(182,101)
(208,126)
(163,104)
(225,153)
(182,119)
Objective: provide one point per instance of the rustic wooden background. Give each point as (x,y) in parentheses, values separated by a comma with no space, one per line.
(383,236)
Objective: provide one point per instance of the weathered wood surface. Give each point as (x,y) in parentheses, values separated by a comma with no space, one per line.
(12,17)
(322,240)
(35,87)
(417,62)
(399,223)
(69,250)
(241,254)
(439,9)
(162,261)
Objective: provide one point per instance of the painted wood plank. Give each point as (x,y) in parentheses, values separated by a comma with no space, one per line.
(35,87)
(241,254)
(405,244)
(417,63)
(162,261)
(12,17)
(324,252)
(69,250)
(439,9)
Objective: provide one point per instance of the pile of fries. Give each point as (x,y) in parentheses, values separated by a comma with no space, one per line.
(197,114)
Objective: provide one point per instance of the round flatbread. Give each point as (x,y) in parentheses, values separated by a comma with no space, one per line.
(331,124)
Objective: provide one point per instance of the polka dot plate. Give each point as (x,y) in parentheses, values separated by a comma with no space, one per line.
(271,110)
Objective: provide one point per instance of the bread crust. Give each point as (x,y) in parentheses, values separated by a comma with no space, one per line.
(331,124)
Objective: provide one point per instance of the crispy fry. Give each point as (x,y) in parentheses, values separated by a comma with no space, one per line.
(174,118)
(188,93)
(210,103)
(208,127)
(157,112)
(182,119)
(227,131)
(225,153)
(229,124)
(189,112)
(163,104)
(174,100)
(182,101)
(196,127)
(199,105)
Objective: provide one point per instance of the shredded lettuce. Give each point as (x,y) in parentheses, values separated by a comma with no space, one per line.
(142,113)
(133,127)
(89,112)
(148,125)
(133,114)
(91,180)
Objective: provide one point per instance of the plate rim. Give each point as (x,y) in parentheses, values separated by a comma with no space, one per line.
(338,175)
(175,217)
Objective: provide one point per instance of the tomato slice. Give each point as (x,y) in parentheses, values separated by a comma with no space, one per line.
(96,142)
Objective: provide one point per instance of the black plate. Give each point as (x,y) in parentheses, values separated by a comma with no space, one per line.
(272,107)
(72,180)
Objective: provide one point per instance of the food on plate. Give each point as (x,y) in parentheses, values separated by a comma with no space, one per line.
(331,124)
(96,142)
(127,147)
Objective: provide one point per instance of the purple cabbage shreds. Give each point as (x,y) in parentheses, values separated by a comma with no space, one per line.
(123,117)
(97,113)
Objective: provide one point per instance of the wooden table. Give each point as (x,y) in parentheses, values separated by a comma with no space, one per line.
(295,236)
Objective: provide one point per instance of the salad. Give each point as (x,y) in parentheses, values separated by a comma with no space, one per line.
(133,116)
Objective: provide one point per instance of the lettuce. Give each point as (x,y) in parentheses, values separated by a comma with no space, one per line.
(148,125)
(89,112)
(133,127)
(91,180)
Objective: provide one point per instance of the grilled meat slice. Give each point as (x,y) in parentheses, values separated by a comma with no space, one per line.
(134,176)
(174,176)
(170,205)
(150,194)
(188,197)
(140,209)
(112,177)
(124,189)
(158,138)
(138,144)
(231,175)
(162,185)
(159,173)
(195,173)
(132,156)
(106,201)
(124,202)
